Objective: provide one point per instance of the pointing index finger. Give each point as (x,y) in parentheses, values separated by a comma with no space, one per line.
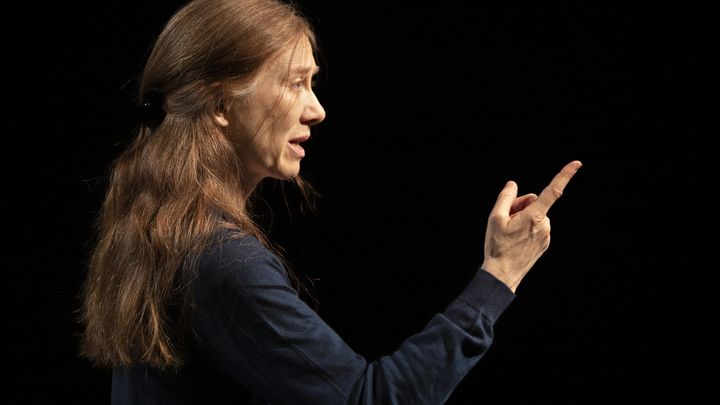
(556,187)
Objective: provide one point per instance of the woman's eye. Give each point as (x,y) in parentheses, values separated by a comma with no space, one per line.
(298,84)
(301,83)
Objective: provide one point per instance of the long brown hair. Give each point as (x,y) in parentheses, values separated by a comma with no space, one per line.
(180,180)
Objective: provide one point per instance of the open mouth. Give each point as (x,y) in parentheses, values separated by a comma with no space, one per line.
(295,147)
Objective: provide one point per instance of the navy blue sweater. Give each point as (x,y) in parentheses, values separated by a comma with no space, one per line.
(255,341)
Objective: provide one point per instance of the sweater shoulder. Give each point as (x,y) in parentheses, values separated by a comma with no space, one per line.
(244,259)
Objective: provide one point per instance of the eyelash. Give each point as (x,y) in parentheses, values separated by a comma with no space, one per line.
(300,83)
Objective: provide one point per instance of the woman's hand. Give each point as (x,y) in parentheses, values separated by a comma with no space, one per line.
(518,230)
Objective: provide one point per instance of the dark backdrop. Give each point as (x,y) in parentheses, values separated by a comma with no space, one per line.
(430,110)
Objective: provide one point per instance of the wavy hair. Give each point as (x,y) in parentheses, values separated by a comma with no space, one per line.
(180,180)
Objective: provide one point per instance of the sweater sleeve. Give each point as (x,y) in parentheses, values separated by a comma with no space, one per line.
(252,325)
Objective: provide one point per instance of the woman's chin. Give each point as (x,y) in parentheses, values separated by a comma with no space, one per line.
(289,172)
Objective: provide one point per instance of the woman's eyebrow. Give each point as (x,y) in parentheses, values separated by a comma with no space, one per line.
(305,70)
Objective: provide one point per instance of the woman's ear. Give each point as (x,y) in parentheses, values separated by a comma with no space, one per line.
(218,93)
(219,118)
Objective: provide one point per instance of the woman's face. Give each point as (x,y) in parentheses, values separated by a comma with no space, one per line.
(269,126)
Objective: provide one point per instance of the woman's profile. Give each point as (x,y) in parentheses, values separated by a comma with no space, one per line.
(187,300)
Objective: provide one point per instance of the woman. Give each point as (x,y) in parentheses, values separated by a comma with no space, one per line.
(185,298)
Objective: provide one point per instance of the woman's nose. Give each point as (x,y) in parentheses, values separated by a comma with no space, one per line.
(314,112)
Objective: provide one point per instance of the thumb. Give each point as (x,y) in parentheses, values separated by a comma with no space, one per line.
(505,199)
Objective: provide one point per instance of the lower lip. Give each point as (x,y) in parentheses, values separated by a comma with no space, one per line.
(297,150)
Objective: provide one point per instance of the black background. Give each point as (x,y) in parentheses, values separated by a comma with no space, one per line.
(430,110)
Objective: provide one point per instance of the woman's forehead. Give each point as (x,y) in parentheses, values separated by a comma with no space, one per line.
(298,56)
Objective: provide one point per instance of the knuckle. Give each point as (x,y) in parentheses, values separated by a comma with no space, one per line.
(541,225)
(555,191)
(538,218)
